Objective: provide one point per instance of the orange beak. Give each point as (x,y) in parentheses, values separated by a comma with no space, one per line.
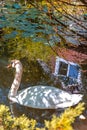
(8,66)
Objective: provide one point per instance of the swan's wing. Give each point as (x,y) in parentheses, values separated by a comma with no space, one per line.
(46,97)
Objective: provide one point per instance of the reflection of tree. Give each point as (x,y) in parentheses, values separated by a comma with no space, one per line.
(51,22)
(84,1)
(62,20)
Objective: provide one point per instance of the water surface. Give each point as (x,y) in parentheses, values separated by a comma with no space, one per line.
(32,76)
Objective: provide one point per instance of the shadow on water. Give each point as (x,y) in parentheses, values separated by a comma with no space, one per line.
(33,76)
(38,114)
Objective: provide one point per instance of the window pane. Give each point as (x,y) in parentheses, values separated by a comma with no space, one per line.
(73,72)
(63,68)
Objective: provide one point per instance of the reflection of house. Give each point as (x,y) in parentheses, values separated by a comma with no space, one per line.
(68,72)
(67,68)
(72,54)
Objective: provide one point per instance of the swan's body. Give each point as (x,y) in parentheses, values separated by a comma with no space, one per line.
(43,97)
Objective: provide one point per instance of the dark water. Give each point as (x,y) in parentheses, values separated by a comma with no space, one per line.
(32,76)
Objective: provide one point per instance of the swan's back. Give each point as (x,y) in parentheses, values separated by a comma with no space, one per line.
(46,97)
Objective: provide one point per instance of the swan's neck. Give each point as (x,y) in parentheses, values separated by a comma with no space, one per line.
(17,80)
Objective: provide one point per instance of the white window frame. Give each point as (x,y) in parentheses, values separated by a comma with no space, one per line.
(57,65)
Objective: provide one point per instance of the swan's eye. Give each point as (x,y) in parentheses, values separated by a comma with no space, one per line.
(11,62)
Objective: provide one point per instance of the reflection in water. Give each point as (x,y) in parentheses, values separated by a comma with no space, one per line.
(80,125)
(3,96)
(6,78)
(38,114)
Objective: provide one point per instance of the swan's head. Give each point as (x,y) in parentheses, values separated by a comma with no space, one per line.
(14,64)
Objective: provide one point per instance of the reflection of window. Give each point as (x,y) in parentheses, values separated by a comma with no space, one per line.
(63,68)
(68,69)
(73,71)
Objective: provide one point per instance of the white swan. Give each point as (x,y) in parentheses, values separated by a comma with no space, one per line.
(42,97)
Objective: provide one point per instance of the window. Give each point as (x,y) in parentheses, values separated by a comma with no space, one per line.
(73,71)
(66,68)
(63,68)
